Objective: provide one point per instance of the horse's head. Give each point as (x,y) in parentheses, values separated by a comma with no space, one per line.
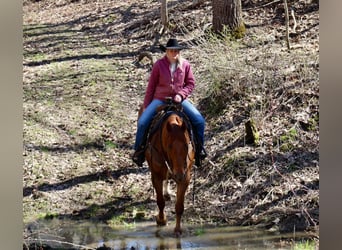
(178,148)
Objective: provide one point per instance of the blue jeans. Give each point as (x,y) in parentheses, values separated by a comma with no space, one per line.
(147,116)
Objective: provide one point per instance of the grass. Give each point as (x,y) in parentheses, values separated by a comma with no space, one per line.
(116,220)
(288,139)
(48,216)
(128,218)
(199,231)
(305,245)
(110,145)
(231,71)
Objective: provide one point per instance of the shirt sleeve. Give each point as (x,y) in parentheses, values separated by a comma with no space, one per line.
(152,83)
(189,82)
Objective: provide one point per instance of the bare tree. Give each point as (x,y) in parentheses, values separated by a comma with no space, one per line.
(164,13)
(287,24)
(228,13)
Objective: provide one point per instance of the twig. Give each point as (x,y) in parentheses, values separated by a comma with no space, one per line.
(211,163)
(264,5)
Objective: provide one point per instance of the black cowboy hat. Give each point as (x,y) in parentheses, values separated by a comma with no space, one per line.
(171,44)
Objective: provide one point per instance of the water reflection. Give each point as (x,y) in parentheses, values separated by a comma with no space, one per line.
(64,234)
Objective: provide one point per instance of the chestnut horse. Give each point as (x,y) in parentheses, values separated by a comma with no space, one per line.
(170,153)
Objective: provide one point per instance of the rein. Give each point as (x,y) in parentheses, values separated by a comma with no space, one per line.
(168,166)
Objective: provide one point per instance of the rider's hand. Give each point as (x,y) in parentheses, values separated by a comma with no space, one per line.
(178,98)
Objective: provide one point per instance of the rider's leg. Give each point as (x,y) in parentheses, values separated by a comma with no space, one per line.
(143,123)
(198,122)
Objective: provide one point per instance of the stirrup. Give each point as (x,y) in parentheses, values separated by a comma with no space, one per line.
(203,154)
(139,157)
(200,156)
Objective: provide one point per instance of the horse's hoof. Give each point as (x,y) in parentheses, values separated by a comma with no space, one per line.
(161,222)
(178,232)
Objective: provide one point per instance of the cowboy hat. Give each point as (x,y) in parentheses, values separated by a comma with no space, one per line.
(171,44)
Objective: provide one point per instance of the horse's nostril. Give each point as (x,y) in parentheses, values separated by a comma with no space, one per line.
(179,177)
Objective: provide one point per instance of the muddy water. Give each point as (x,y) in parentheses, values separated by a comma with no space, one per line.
(64,234)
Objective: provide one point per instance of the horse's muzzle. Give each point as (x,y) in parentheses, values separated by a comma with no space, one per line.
(179,177)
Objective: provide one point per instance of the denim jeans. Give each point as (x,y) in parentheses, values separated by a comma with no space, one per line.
(147,116)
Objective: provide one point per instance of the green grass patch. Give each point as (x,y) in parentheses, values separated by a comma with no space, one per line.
(305,245)
(117,220)
(199,231)
(287,140)
(110,145)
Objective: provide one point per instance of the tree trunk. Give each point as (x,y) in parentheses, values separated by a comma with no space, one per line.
(228,13)
(164,13)
(287,24)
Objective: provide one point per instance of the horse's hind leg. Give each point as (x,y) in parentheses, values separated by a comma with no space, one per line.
(158,186)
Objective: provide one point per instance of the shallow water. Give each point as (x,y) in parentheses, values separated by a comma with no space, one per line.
(65,234)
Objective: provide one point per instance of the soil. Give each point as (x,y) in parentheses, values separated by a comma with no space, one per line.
(83,83)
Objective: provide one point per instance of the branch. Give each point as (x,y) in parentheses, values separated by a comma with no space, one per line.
(287,24)
(264,5)
(294,21)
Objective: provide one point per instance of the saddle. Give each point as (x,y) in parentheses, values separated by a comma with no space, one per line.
(163,112)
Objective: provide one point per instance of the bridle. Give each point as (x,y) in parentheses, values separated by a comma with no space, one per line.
(168,163)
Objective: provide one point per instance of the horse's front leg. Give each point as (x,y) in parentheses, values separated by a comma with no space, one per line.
(158,186)
(181,189)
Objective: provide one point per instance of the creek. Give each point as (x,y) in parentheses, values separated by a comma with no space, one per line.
(71,234)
